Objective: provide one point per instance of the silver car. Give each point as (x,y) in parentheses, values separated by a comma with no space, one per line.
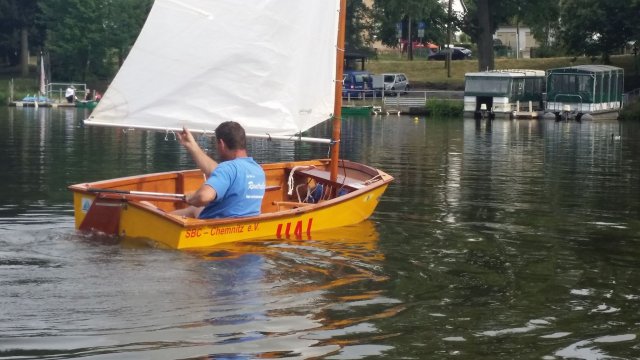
(394,83)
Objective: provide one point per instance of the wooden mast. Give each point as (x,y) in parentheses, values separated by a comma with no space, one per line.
(337,109)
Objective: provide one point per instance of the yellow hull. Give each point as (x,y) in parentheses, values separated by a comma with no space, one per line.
(283,215)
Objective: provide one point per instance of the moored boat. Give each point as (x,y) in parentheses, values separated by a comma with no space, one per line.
(86,104)
(585,92)
(201,90)
(509,93)
(357,110)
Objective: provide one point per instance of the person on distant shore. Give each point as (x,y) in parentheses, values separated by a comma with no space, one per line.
(87,95)
(235,186)
(70,94)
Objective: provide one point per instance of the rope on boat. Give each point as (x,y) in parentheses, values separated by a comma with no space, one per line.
(290,181)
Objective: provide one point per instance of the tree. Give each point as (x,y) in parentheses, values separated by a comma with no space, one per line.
(17,19)
(410,12)
(481,21)
(543,18)
(123,30)
(597,27)
(90,38)
(359,26)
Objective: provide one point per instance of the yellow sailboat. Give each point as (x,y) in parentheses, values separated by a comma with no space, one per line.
(176,76)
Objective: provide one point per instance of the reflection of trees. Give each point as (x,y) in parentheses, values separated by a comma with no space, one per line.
(537,220)
(424,155)
(48,149)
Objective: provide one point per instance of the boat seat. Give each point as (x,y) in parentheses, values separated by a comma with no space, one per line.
(324,176)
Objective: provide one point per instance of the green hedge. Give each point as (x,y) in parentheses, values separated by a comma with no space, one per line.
(631,111)
(444,107)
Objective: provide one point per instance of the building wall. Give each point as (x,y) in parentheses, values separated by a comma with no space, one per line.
(508,36)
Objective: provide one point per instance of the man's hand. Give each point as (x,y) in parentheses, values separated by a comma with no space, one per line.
(186,139)
(204,162)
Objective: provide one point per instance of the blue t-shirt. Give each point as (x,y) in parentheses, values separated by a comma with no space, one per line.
(239,186)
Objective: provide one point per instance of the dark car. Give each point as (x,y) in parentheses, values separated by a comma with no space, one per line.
(459,53)
(356,83)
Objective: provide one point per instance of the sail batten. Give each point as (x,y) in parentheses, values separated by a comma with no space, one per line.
(267,64)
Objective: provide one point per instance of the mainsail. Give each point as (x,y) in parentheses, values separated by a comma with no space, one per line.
(268,64)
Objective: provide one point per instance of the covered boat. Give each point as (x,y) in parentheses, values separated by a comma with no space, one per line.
(191,67)
(504,93)
(585,92)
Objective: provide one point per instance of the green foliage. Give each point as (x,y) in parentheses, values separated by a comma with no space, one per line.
(21,88)
(631,112)
(359,27)
(547,52)
(89,38)
(543,18)
(16,15)
(598,27)
(390,12)
(445,108)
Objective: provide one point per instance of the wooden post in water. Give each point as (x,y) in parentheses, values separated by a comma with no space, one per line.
(337,107)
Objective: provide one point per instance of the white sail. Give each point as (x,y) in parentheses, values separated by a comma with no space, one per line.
(267,64)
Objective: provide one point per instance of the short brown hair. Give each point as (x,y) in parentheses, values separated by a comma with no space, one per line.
(232,134)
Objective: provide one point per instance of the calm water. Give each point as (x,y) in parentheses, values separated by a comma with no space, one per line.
(498,240)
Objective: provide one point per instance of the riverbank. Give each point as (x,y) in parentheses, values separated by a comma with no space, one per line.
(432,75)
(630,111)
(422,74)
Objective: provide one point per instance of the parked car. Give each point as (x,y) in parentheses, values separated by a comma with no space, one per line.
(459,53)
(356,83)
(394,83)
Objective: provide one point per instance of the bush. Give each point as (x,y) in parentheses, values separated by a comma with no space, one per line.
(21,88)
(546,52)
(631,111)
(444,107)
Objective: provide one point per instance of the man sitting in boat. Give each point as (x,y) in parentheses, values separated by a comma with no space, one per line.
(235,186)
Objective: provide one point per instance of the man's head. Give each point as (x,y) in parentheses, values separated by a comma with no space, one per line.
(231,140)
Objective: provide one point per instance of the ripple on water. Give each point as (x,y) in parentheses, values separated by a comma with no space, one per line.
(586,349)
(66,294)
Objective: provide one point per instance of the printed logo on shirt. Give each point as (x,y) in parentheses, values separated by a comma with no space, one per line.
(253,186)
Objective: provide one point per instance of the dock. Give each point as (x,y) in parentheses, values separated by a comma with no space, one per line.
(41,104)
